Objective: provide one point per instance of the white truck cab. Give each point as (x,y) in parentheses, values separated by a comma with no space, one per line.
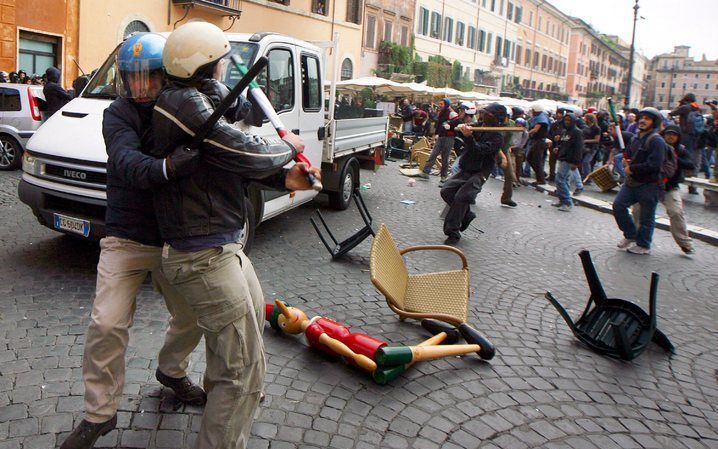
(64,166)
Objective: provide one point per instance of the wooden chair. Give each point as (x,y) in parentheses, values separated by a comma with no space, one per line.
(441,295)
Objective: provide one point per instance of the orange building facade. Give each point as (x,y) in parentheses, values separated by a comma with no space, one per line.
(36,34)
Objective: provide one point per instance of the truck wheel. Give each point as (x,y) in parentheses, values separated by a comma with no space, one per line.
(340,200)
(10,153)
(250,225)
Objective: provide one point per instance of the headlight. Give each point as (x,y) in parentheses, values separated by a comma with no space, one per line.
(28,163)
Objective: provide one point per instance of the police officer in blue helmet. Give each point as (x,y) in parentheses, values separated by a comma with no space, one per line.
(132,247)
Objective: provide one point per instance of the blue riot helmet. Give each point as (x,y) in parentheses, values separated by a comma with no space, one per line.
(139,66)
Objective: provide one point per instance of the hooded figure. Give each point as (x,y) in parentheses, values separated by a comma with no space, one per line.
(55,96)
(571,144)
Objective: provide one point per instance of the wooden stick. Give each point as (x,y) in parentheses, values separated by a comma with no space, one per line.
(497,129)
(340,348)
(433,341)
(422,353)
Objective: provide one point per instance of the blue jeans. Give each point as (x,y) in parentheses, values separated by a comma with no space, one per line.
(706,161)
(618,164)
(563,174)
(577,178)
(647,196)
(587,162)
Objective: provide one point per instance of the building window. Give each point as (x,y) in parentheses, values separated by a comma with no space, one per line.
(663,84)
(707,87)
(499,43)
(519,14)
(527,57)
(354,8)
(510,11)
(460,27)
(695,85)
(493,5)
(311,84)
(435,24)
(482,40)
(471,38)
(37,52)
(370,31)
(423,21)
(388,26)
(543,62)
(448,29)
(519,50)
(278,79)
(501,8)
(660,98)
(405,35)
(320,7)
(531,18)
(347,72)
(136,26)
(488,43)
(536,59)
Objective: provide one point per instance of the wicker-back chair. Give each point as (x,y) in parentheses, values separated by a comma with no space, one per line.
(441,295)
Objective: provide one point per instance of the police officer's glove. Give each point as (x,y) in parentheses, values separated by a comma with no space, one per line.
(182,162)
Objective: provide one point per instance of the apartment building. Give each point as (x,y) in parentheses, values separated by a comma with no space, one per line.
(595,67)
(542,50)
(640,71)
(37,34)
(385,20)
(672,75)
(480,34)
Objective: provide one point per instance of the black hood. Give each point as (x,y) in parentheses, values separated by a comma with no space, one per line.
(572,116)
(53,75)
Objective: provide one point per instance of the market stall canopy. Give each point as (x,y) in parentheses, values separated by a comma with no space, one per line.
(553,105)
(372,82)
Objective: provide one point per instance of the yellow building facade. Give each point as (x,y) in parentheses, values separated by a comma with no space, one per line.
(105,23)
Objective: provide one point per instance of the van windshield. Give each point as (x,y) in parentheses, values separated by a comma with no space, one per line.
(102,84)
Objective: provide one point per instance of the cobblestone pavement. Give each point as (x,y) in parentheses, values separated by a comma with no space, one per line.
(543,389)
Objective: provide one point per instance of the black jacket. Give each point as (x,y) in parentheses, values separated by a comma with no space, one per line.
(126,128)
(684,163)
(211,200)
(55,96)
(441,118)
(571,147)
(646,154)
(480,151)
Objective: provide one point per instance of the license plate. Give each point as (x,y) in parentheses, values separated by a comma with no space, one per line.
(74,225)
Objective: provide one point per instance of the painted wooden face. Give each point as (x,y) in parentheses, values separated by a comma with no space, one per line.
(291,320)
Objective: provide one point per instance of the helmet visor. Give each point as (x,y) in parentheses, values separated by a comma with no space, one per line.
(139,80)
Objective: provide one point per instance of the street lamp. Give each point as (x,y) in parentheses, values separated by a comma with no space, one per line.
(627,101)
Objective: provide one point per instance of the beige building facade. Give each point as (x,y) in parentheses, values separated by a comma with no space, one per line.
(672,75)
(384,20)
(105,23)
(480,34)
(595,68)
(542,50)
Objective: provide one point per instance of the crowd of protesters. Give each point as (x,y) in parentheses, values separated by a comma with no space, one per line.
(648,152)
(55,96)
(21,77)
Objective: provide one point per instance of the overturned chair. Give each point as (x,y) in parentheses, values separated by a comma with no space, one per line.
(442,295)
(336,248)
(614,327)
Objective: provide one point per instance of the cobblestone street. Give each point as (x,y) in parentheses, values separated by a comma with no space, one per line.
(543,388)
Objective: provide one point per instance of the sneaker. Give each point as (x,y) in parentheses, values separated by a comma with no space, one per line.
(688,250)
(625,243)
(86,434)
(424,176)
(186,391)
(577,192)
(565,208)
(452,239)
(510,204)
(468,218)
(557,204)
(635,249)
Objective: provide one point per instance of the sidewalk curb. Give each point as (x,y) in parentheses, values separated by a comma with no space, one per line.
(697,232)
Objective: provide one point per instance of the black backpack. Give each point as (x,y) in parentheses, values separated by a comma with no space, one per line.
(670,160)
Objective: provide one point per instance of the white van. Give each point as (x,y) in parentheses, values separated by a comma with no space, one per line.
(64,172)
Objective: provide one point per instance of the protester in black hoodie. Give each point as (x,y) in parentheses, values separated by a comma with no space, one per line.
(55,96)
(569,155)
(475,165)
(672,197)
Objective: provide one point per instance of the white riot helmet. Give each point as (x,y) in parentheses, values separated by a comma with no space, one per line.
(469,108)
(538,107)
(193,46)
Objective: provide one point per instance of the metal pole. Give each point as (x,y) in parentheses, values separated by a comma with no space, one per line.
(627,101)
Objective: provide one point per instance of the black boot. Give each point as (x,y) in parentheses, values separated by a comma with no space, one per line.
(468,218)
(185,390)
(86,434)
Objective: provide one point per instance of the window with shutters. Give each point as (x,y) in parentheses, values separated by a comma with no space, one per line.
(423,21)
(448,29)
(388,28)
(519,49)
(460,29)
(435,24)
(519,14)
(510,11)
(471,38)
(489,40)
(370,31)
(354,8)
(482,40)
(405,35)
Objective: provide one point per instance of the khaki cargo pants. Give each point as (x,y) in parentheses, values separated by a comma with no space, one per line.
(220,285)
(121,271)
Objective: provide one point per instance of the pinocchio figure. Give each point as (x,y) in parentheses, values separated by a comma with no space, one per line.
(370,354)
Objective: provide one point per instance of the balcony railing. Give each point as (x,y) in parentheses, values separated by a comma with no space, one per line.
(223,7)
